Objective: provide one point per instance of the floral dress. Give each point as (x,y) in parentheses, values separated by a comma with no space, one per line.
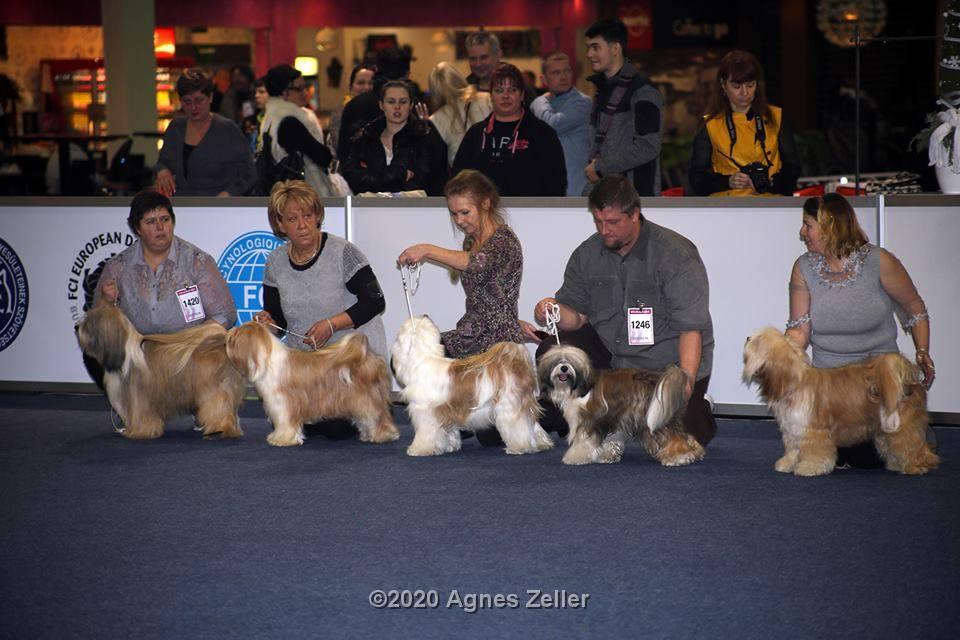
(491,282)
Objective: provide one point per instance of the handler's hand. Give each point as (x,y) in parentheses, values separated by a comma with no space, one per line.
(414,255)
(530,332)
(109,292)
(540,310)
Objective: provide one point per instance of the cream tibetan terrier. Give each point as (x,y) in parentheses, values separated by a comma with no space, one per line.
(151,379)
(606,407)
(342,380)
(497,387)
(818,410)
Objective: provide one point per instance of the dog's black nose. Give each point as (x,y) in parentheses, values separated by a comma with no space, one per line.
(563,368)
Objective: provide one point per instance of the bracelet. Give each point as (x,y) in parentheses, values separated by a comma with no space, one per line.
(799,322)
(332,328)
(922,350)
(912,321)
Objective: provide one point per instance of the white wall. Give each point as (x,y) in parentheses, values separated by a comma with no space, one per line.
(747,245)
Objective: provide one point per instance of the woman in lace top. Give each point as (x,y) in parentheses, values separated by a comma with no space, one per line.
(843,292)
(490,266)
(144,279)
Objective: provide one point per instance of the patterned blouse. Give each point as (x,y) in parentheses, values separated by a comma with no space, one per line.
(492,284)
(149,297)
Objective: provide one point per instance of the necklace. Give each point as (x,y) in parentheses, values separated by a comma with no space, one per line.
(297,260)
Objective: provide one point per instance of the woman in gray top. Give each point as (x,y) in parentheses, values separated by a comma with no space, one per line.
(203,154)
(162,283)
(843,292)
(317,287)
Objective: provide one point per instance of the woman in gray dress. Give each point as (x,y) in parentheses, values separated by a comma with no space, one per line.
(843,295)
(318,287)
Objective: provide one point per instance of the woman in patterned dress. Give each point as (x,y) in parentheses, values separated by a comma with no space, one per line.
(490,266)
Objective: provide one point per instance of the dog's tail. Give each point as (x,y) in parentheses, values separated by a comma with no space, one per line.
(668,398)
(895,378)
(182,345)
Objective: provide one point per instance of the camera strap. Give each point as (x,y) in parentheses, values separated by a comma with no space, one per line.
(761,136)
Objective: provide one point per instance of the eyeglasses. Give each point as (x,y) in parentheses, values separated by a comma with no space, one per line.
(297,87)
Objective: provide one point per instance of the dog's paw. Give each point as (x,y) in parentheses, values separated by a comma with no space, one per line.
(815,467)
(422,451)
(380,436)
(278,440)
(786,464)
(579,456)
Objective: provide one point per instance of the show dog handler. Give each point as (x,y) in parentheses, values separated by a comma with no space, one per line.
(635,295)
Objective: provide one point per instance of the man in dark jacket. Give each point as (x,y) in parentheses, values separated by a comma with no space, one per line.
(627,113)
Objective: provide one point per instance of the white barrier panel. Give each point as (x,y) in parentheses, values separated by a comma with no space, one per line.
(748,246)
(62,248)
(923,233)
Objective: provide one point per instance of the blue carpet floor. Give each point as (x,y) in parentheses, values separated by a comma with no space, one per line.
(101,537)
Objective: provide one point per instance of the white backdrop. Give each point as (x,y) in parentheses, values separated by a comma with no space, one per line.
(748,247)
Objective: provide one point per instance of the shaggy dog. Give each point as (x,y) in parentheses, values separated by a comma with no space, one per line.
(497,387)
(606,407)
(150,379)
(342,380)
(818,410)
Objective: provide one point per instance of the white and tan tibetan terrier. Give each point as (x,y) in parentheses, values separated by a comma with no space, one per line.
(497,387)
(607,407)
(818,410)
(342,380)
(151,379)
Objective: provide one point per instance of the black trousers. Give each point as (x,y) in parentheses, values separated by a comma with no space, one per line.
(698,419)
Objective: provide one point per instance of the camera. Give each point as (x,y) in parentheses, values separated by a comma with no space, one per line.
(759,175)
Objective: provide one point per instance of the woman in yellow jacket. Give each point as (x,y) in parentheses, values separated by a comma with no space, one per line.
(743,147)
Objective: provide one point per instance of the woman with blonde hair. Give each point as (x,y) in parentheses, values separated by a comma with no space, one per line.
(317,287)
(489,265)
(844,293)
(457,106)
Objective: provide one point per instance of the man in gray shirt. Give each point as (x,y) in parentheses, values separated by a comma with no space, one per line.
(635,295)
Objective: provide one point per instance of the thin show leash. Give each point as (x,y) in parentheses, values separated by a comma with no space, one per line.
(410,288)
(310,338)
(552,313)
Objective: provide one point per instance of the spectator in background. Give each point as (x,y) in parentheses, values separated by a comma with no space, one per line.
(238,102)
(392,64)
(288,128)
(567,110)
(260,97)
(361,81)
(484,56)
(203,154)
(457,106)
(742,134)
(395,152)
(627,113)
(519,153)
(530,78)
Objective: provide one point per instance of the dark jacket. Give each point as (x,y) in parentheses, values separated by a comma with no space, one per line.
(631,145)
(415,149)
(534,166)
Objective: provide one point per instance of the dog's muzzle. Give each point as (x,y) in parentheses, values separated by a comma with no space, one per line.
(564,372)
